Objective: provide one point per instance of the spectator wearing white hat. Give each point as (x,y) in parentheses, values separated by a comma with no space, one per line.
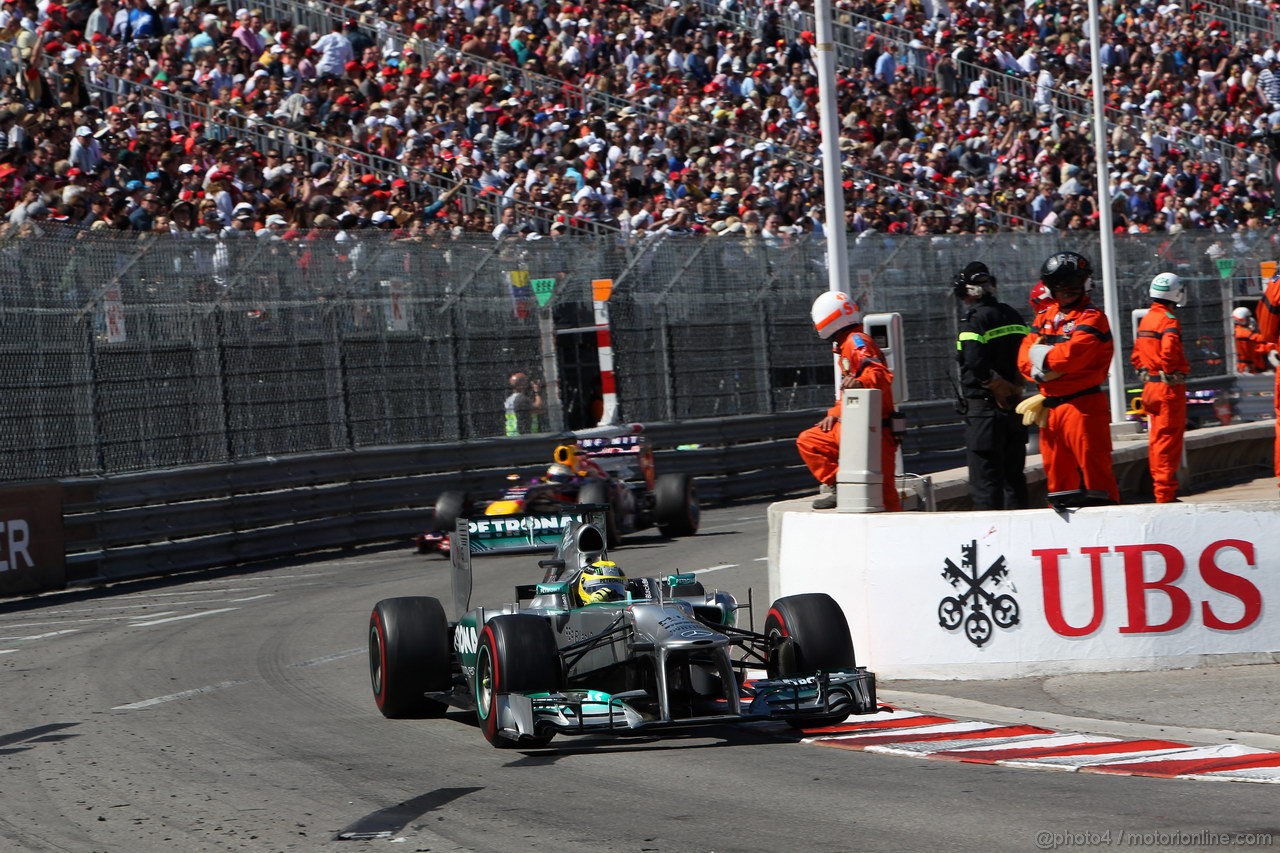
(206,41)
(85,152)
(72,91)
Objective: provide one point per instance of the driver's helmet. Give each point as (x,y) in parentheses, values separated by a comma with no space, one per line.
(601,581)
(559,473)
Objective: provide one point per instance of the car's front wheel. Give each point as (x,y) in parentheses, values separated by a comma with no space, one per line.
(409,656)
(808,634)
(516,654)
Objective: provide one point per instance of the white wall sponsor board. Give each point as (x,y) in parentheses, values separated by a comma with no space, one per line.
(1000,594)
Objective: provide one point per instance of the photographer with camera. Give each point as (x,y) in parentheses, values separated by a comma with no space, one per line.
(523,407)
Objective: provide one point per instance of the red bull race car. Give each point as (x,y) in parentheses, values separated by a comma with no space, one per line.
(608,466)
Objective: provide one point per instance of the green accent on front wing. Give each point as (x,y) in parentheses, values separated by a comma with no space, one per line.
(593,701)
(551,588)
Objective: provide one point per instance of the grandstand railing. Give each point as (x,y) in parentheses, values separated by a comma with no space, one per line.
(1241,19)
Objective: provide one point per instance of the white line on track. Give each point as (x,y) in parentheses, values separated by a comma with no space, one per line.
(275,577)
(711,569)
(188,592)
(252,597)
(760,560)
(185,694)
(335,656)
(180,618)
(40,636)
(82,619)
(7,651)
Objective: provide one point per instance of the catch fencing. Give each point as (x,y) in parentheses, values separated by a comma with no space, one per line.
(126,353)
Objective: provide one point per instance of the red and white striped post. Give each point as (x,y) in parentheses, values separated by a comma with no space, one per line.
(601,290)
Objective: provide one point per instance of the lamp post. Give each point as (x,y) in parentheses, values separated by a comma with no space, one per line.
(1110,296)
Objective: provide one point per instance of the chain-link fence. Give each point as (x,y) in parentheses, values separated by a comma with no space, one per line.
(125,353)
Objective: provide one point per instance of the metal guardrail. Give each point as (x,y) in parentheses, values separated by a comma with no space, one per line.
(184,519)
(139,525)
(1240,18)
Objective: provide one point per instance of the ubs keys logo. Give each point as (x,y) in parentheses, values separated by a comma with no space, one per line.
(970,608)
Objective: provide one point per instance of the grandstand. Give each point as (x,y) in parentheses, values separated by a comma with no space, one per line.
(634,121)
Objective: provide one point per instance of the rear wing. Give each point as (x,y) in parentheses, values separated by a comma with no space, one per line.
(622,451)
(512,534)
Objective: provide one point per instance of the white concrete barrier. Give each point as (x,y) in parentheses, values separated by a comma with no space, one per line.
(961,595)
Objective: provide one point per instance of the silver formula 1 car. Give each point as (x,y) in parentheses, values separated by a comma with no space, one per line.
(669,654)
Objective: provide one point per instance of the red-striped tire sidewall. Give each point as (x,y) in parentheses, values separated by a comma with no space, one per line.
(376,625)
(488,716)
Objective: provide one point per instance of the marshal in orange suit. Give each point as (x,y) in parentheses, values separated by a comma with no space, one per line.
(1162,366)
(838,319)
(1269,329)
(1068,354)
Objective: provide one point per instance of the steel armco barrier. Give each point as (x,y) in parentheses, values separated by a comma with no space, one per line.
(201,517)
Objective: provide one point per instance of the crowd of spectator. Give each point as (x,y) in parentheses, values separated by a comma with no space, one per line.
(491,116)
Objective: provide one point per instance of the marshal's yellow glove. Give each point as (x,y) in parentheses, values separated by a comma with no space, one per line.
(1033,411)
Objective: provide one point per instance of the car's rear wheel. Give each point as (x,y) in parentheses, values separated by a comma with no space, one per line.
(808,634)
(408,656)
(676,505)
(516,654)
(450,506)
(597,492)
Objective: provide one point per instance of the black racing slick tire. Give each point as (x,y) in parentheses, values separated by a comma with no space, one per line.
(808,634)
(676,505)
(516,653)
(597,492)
(450,506)
(409,655)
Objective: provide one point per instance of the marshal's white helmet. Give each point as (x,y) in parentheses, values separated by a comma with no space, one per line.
(833,311)
(1242,315)
(1169,287)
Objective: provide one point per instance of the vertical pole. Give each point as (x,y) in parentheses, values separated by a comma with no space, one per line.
(829,120)
(832,177)
(601,290)
(224,384)
(1110,295)
(550,371)
(95,409)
